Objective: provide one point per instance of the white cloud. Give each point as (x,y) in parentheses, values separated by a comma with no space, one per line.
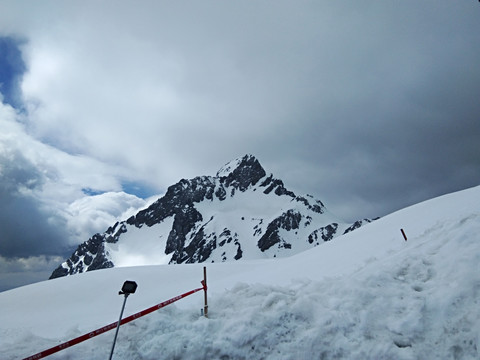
(91,214)
(41,178)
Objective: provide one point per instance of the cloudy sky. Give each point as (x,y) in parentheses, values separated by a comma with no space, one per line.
(369,106)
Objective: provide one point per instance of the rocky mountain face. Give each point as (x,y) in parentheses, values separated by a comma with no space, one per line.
(241,213)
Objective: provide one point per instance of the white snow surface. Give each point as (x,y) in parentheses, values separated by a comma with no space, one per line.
(365,295)
(144,246)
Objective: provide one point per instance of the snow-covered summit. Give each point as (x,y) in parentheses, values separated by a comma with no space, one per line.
(240,162)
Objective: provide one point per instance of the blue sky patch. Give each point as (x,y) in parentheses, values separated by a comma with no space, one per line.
(92,192)
(138,189)
(12,68)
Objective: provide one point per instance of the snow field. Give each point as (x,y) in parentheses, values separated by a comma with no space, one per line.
(145,247)
(366,295)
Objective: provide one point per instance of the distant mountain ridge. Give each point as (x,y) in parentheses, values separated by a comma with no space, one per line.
(241,213)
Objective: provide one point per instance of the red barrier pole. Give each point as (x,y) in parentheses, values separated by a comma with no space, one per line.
(111,326)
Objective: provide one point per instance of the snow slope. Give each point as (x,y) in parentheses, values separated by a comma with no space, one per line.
(366,295)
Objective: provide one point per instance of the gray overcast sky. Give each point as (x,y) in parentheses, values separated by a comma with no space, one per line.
(369,106)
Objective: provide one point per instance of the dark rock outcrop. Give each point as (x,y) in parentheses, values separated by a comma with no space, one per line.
(287,221)
(93,255)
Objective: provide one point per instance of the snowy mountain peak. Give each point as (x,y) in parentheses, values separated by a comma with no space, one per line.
(241,172)
(232,165)
(239,214)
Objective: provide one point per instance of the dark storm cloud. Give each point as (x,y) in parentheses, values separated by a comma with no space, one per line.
(25,229)
(374,101)
(369,106)
(15,272)
(389,116)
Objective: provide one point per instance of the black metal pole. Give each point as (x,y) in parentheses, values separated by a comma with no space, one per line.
(205,307)
(118,325)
